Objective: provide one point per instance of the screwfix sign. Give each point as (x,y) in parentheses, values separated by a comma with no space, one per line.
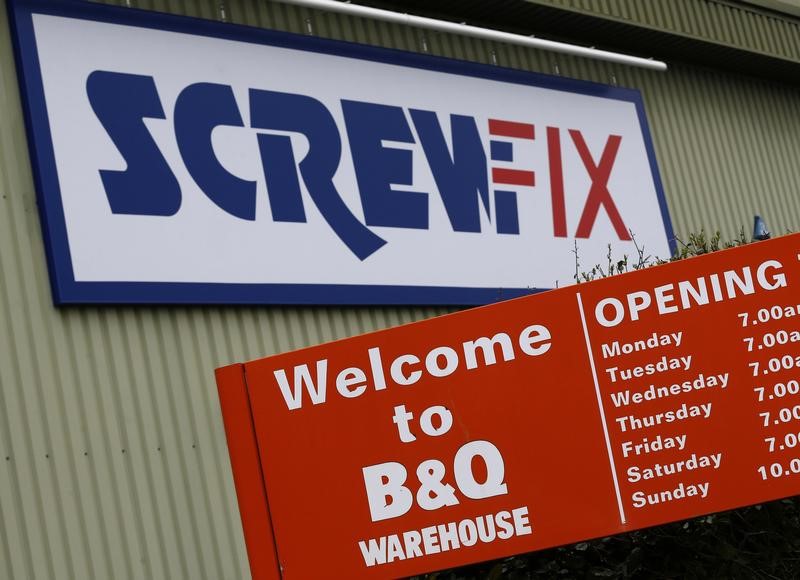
(187,161)
(576,413)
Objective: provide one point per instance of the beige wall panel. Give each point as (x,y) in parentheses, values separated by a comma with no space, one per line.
(736,24)
(113,462)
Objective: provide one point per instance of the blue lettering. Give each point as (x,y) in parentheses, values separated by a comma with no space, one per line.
(378,167)
(460,176)
(147,186)
(276,111)
(280,172)
(198,110)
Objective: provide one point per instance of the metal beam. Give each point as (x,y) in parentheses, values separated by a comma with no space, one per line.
(478,32)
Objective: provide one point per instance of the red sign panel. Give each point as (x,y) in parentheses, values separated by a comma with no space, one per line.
(581,412)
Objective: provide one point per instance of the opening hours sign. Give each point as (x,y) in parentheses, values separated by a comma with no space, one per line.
(596,409)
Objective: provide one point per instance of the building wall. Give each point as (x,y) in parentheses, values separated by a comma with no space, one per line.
(735,24)
(113,462)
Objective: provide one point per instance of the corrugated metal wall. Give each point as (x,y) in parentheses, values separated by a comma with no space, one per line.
(720,21)
(113,461)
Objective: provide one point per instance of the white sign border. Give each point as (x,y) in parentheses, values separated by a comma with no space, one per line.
(66,290)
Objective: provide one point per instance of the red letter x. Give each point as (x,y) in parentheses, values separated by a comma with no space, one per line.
(598,193)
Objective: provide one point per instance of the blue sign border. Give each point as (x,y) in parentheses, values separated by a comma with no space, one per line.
(66,290)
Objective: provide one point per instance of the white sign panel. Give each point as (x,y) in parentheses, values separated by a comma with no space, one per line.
(180,160)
